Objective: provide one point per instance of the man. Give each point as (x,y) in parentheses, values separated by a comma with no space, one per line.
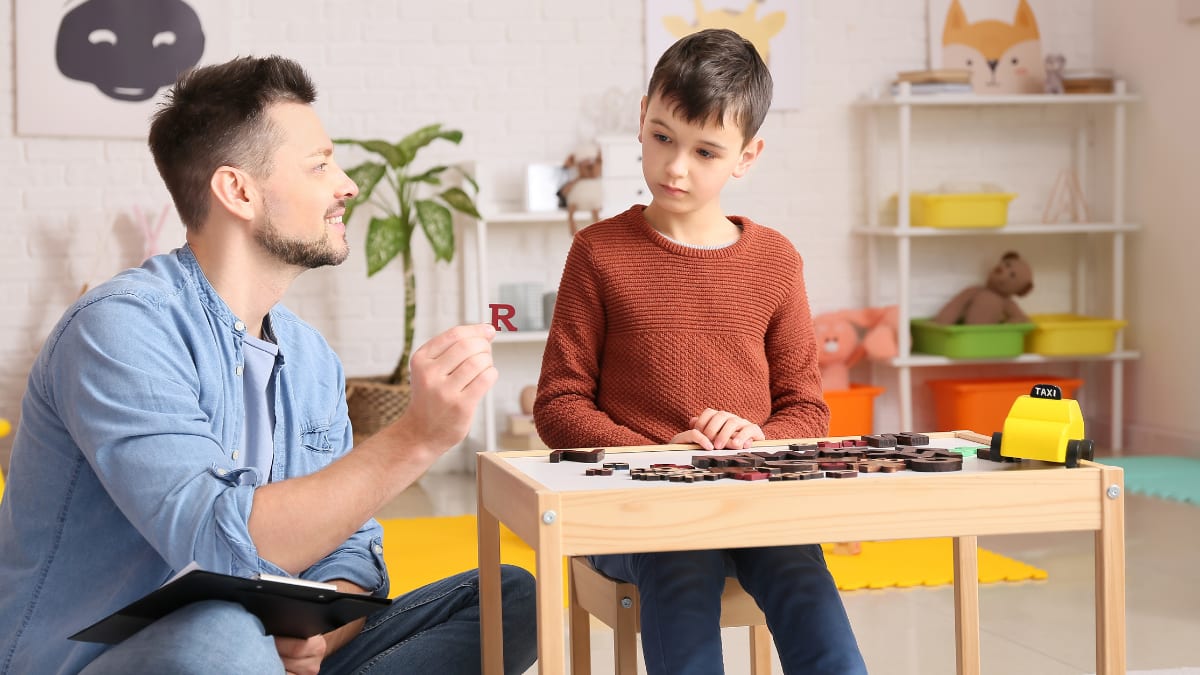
(178,413)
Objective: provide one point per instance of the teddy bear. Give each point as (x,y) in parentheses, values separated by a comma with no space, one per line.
(584,192)
(992,302)
(845,337)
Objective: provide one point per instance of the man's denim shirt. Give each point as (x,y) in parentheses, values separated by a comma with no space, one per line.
(121,470)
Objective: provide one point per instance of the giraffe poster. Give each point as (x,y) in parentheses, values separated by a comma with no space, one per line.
(97,68)
(774,26)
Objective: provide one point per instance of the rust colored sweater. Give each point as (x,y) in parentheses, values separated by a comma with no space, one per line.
(647,333)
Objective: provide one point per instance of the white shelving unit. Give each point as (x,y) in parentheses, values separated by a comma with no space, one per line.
(485,294)
(904,104)
(623,187)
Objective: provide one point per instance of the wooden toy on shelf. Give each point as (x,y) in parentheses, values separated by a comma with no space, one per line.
(1066,199)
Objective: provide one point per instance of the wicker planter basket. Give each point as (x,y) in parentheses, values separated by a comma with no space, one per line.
(374,404)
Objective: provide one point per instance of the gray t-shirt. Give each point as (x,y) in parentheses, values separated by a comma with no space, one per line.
(258,381)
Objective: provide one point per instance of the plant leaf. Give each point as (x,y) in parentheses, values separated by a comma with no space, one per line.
(469,178)
(385,239)
(439,228)
(381,148)
(410,144)
(460,201)
(366,176)
(432,176)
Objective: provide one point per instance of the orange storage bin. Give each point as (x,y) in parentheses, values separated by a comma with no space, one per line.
(852,411)
(981,404)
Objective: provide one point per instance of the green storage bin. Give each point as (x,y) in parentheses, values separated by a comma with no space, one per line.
(977,341)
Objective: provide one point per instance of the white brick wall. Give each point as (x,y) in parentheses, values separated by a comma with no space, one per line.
(513,75)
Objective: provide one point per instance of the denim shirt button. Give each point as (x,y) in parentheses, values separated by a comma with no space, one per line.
(237,371)
(235,454)
(378,549)
(239,326)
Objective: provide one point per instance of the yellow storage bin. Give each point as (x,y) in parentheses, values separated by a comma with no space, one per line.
(966,209)
(1072,334)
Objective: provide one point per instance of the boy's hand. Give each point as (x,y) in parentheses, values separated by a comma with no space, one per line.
(719,430)
(693,436)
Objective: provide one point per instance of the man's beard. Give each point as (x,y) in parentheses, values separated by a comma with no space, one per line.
(307,254)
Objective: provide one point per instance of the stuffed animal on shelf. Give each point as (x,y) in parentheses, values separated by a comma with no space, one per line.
(584,192)
(1055,63)
(845,337)
(993,302)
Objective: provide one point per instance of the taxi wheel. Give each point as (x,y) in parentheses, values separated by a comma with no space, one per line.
(1073,454)
(1087,449)
(994,450)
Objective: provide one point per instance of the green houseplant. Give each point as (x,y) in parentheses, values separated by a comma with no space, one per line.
(408,199)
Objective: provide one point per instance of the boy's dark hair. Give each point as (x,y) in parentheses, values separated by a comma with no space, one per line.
(216,116)
(711,73)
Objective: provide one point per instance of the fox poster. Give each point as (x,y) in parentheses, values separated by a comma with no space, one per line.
(774,27)
(999,41)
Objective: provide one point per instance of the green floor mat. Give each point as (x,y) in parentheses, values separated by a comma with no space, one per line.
(1175,478)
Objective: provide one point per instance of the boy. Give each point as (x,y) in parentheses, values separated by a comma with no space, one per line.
(675,323)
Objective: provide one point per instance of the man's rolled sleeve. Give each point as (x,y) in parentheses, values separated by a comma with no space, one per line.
(359,560)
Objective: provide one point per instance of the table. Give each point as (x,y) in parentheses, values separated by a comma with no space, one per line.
(558,513)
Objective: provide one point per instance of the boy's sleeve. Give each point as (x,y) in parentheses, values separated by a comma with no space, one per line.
(798,408)
(565,410)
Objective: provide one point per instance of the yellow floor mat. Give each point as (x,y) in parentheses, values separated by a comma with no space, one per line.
(422,550)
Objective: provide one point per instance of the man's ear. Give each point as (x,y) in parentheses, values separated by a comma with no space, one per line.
(234,191)
(642,117)
(749,153)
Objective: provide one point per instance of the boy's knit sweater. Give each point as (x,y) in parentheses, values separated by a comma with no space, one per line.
(648,332)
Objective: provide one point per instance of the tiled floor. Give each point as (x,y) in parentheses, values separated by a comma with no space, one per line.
(1036,628)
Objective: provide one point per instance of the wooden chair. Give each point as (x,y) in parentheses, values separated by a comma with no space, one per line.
(615,603)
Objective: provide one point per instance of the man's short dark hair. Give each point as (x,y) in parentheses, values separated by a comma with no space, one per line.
(713,72)
(216,116)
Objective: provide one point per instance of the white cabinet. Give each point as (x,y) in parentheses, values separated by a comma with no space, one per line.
(621,176)
(904,236)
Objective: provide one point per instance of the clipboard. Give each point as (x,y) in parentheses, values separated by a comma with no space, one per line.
(286,609)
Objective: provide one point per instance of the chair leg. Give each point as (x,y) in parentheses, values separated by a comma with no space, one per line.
(625,641)
(580,627)
(760,650)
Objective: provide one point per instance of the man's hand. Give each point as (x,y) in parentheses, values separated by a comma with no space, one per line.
(304,657)
(450,375)
(301,657)
(720,430)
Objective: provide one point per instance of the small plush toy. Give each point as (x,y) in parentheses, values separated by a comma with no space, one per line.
(1054,73)
(584,192)
(992,303)
(846,336)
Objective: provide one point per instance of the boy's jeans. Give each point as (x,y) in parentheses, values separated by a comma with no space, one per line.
(680,594)
(434,629)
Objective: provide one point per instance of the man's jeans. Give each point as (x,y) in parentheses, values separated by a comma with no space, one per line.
(434,629)
(680,594)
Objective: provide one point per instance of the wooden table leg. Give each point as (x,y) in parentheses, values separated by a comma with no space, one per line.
(966,604)
(491,617)
(580,629)
(1110,575)
(551,636)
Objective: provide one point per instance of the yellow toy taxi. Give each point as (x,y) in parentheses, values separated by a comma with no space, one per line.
(1044,426)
